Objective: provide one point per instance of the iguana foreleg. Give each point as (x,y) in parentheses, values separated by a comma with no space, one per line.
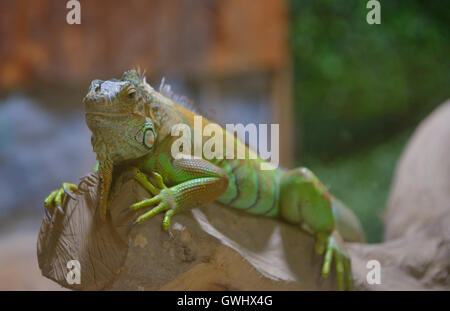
(105,171)
(203,183)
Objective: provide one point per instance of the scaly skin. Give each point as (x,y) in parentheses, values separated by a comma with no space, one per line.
(131,130)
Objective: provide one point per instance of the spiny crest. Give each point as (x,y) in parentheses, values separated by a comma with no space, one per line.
(135,76)
(166,90)
(138,78)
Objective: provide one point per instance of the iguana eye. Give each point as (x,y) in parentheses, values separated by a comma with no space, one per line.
(149,138)
(131,92)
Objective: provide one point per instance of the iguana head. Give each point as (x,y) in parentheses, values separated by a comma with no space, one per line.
(126,116)
(115,115)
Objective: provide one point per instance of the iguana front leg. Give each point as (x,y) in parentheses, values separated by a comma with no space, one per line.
(204,182)
(105,171)
(304,200)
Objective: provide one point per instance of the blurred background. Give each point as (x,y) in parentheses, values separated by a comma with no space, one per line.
(346,94)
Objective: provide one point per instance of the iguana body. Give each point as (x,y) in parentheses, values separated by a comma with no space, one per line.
(131,130)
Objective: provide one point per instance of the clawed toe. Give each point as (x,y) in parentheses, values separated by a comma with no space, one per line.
(47,213)
(59,208)
(67,191)
(159,180)
(134,223)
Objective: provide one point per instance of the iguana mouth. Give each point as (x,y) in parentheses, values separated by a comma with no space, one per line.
(102,106)
(117,113)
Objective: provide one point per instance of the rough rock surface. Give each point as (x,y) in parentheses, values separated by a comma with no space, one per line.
(416,252)
(420,193)
(212,248)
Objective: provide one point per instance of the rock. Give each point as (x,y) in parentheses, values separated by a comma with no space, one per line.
(421,188)
(416,253)
(210,248)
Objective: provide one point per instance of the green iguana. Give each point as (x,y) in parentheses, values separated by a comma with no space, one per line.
(131,130)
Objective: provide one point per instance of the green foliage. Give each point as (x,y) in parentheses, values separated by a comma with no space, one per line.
(358,84)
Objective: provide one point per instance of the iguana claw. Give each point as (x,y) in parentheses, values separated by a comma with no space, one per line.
(47,213)
(59,208)
(67,191)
